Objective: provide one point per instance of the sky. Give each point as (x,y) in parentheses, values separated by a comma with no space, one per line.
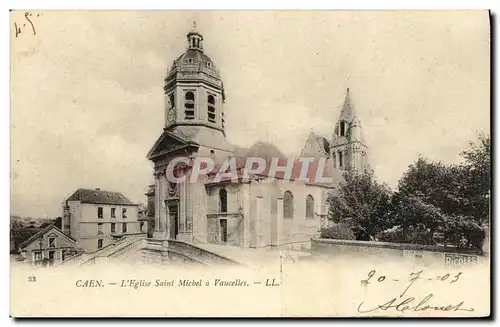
(87,98)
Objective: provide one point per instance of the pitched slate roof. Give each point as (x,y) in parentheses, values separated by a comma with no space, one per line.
(99,197)
(42,232)
(313,171)
(260,149)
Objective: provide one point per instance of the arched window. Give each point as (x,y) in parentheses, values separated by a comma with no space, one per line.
(309,207)
(171,101)
(189,105)
(288,205)
(222,200)
(211,108)
(341,160)
(342,128)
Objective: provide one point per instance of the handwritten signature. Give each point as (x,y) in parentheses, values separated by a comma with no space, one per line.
(20,28)
(407,305)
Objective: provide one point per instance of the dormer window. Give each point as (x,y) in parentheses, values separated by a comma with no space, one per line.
(189,105)
(211,108)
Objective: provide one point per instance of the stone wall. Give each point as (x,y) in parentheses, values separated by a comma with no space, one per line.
(329,249)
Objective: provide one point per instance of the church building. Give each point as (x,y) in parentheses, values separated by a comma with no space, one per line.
(259,212)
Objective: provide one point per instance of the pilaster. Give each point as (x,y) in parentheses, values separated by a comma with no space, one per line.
(247,216)
(277,226)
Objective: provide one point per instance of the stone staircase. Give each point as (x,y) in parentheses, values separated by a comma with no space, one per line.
(151,251)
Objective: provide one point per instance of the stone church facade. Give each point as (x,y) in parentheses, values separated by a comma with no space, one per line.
(258,212)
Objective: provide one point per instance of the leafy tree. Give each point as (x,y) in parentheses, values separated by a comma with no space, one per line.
(432,199)
(416,220)
(477,171)
(435,183)
(449,199)
(362,203)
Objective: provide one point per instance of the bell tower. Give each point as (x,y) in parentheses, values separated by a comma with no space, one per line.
(348,147)
(194,92)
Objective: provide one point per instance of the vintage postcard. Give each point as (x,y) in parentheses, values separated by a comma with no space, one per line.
(250,164)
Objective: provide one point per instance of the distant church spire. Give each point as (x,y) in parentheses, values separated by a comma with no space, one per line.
(348,148)
(347,112)
(195,39)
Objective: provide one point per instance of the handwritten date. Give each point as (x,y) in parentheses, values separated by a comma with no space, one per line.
(412,278)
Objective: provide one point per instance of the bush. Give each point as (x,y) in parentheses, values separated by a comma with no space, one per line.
(394,234)
(464,233)
(413,235)
(338,232)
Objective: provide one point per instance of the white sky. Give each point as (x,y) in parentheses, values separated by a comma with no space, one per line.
(87,100)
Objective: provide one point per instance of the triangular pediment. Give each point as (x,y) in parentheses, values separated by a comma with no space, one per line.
(315,146)
(51,230)
(169,142)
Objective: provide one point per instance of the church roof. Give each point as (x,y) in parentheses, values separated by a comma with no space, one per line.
(296,174)
(315,145)
(260,149)
(194,61)
(98,196)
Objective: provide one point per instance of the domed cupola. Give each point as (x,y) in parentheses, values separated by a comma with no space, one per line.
(193,88)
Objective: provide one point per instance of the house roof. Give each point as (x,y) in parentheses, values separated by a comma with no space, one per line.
(42,232)
(98,196)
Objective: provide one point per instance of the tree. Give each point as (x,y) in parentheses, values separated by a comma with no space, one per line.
(362,203)
(452,200)
(416,221)
(477,171)
(434,183)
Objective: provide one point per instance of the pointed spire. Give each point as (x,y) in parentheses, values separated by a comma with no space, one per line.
(347,112)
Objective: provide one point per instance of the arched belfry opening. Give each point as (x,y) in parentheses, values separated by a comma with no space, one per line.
(222,200)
